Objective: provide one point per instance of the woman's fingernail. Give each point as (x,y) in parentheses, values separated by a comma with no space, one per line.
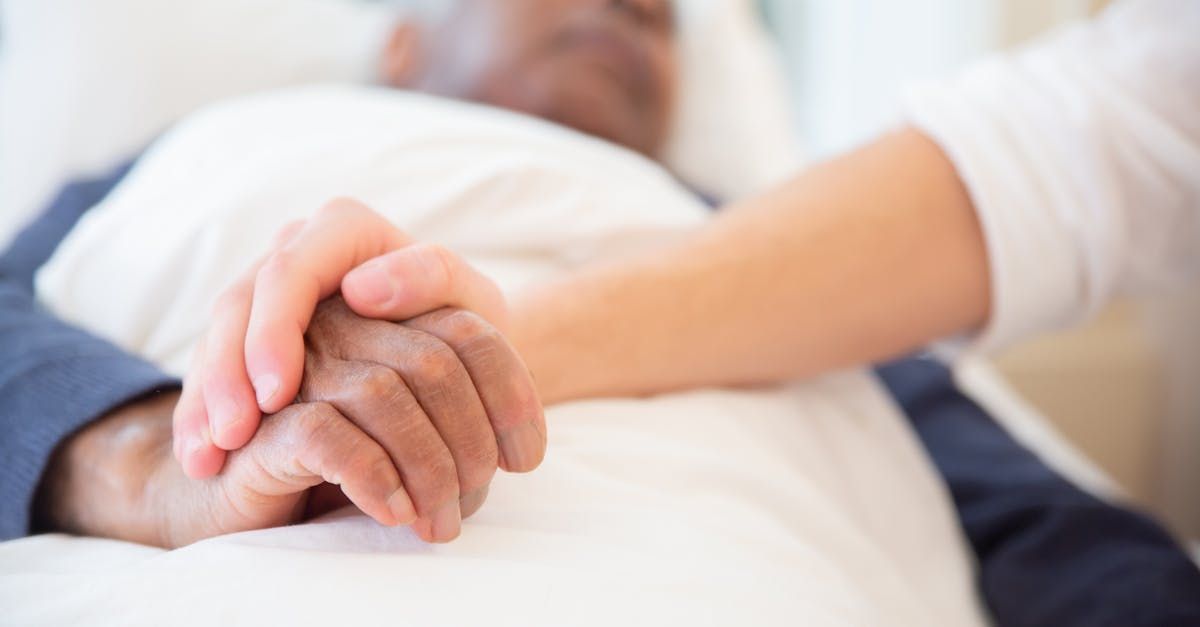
(375,284)
(197,442)
(265,387)
(223,415)
(522,447)
(402,507)
(447,522)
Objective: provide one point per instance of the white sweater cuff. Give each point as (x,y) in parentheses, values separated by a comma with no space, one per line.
(1036,278)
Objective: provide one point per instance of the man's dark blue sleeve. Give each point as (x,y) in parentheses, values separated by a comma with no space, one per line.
(1048,553)
(54,379)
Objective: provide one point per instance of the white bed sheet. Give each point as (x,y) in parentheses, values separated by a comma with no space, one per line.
(812,503)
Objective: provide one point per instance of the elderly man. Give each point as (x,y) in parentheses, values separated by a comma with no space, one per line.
(470,404)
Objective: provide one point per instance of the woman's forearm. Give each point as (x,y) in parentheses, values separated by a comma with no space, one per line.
(861,258)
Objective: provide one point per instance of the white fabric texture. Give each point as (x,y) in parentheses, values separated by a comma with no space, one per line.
(809,504)
(1082,156)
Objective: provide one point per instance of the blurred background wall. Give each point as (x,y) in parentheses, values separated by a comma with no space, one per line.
(1125,389)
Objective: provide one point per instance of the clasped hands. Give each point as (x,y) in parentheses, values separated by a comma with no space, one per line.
(350,365)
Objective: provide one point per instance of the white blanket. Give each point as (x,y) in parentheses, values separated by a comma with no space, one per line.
(808,505)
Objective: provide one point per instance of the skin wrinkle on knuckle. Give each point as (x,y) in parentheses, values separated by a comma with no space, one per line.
(461,326)
(481,467)
(365,468)
(384,390)
(444,264)
(442,485)
(482,346)
(243,499)
(438,373)
(427,466)
(377,382)
(312,430)
(487,354)
(435,363)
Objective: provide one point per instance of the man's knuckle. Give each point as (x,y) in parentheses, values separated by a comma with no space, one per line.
(463,327)
(443,478)
(313,425)
(368,467)
(378,382)
(435,362)
(480,459)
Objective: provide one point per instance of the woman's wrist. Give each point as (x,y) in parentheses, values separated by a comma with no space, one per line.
(578,337)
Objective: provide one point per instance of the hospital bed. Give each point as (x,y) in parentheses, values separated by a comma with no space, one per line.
(103,78)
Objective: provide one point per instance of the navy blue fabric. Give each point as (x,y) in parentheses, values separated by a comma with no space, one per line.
(54,378)
(1048,552)
(37,242)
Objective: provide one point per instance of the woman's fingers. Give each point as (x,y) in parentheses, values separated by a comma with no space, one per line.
(378,401)
(192,442)
(310,267)
(233,413)
(219,406)
(420,278)
(501,379)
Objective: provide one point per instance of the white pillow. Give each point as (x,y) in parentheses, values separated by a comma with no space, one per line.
(734,132)
(86,83)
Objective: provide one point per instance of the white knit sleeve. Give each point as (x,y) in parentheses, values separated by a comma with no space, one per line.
(1081,153)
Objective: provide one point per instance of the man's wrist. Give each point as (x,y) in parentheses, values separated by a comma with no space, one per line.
(96,481)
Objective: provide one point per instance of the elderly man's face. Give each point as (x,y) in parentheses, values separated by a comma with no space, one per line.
(604,67)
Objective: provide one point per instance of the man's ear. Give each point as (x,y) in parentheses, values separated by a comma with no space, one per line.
(401,63)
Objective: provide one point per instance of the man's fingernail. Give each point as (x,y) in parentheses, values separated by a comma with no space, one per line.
(402,507)
(447,522)
(375,284)
(470,503)
(265,387)
(522,447)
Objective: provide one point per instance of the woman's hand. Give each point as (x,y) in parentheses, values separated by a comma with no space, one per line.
(252,358)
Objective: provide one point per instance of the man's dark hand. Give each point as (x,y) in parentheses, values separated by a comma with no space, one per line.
(444,395)
(405,418)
